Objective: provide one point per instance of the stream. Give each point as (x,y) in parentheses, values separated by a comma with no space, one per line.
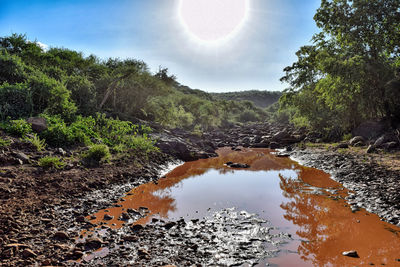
(301,208)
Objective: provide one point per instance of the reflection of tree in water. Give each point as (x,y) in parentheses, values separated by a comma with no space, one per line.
(329,228)
(306,211)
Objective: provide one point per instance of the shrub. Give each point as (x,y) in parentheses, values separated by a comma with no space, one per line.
(4,142)
(140,143)
(15,101)
(51,162)
(248,115)
(17,127)
(38,143)
(97,153)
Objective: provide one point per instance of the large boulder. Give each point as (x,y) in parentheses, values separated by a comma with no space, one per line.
(371,129)
(356,140)
(38,124)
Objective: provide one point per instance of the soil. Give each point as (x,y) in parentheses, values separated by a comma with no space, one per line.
(43,212)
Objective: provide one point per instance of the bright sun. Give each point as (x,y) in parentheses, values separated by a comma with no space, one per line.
(212,21)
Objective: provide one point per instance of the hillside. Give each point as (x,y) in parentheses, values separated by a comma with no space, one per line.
(261,99)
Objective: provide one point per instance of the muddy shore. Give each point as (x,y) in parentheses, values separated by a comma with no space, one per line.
(43,211)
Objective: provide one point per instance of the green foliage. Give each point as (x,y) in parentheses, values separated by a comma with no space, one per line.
(63,84)
(347,137)
(342,79)
(97,153)
(17,127)
(4,142)
(49,162)
(261,99)
(248,116)
(15,101)
(38,143)
(140,143)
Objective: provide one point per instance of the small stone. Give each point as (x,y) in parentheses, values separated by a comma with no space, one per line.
(22,156)
(108,217)
(342,145)
(28,253)
(80,219)
(169,225)
(130,238)
(351,253)
(143,253)
(61,235)
(356,140)
(93,243)
(137,227)
(370,149)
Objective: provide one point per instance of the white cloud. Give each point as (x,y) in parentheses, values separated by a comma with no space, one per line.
(44,47)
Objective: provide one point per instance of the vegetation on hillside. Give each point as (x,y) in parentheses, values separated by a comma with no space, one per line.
(261,99)
(348,74)
(64,85)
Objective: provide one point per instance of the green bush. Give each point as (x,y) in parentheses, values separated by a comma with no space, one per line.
(4,142)
(97,153)
(38,143)
(248,116)
(17,127)
(140,143)
(49,162)
(15,101)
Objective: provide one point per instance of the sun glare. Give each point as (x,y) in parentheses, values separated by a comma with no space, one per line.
(212,22)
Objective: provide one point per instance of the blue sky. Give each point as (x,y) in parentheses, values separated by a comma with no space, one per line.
(150,30)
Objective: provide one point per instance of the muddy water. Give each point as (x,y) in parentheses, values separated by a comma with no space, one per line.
(302,201)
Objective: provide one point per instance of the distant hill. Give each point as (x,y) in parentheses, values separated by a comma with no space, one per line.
(261,99)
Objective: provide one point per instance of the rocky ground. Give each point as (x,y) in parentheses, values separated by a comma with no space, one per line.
(42,212)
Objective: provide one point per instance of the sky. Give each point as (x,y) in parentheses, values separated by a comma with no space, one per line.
(212,45)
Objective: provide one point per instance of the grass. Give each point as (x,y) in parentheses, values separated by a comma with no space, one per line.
(38,143)
(49,162)
(4,142)
(97,153)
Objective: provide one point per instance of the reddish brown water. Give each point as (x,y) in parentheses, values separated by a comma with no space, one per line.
(302,201)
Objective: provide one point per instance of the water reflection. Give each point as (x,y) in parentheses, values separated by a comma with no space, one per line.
(300,200)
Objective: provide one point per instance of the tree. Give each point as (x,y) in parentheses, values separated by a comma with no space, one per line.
(351,60)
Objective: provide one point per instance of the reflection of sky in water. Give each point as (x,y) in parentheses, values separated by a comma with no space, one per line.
(295,198)
(257,192)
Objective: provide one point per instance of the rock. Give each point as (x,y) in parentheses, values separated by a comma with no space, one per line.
(371,129)
(38,124)
(283,155)
(237,165)
(370,149)
(46,262)
(351,253)
(390,145)
(108,217)
(16,246)
(130,238)
(379,141)
(280,135)
(22,156)
(93,243)
(342,145)
(355,140)
(137,227)
(61,235)
(81,218)
(274,145)
(169,225)
(143,253)
(28,253)
(124,217)
(61,151)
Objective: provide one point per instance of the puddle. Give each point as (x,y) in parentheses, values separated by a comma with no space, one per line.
(301,201)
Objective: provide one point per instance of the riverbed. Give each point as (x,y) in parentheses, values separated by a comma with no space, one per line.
(304,205)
